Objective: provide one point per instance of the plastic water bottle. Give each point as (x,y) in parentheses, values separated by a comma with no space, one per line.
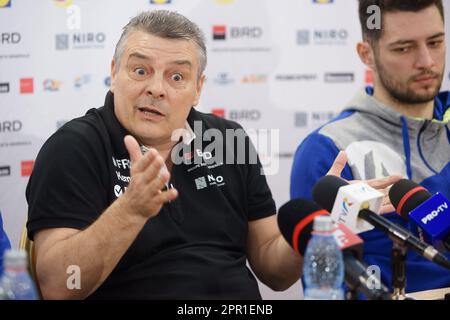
(16,282)
(3,295)
(323,265)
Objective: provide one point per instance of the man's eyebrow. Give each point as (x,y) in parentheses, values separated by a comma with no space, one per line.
(402,42)
(182,62)
(437,35)
(139,56)
(176,62)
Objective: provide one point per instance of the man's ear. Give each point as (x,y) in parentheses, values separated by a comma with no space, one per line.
(113,75)
(198,89)
(366,54)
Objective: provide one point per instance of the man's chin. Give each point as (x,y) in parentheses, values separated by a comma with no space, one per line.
(152,136)
(419,99)
(423,95)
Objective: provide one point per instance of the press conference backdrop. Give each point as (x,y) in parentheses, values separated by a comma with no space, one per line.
(286,65)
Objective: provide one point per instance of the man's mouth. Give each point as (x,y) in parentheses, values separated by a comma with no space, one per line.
(151,111)
(425,78)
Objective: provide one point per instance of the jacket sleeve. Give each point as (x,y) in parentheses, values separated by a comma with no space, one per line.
(312,160)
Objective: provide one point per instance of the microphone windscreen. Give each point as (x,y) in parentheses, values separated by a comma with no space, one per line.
(406,195)
(326,189)
(295,220)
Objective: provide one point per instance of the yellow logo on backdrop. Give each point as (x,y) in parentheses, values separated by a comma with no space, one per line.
(5,3)
(63,3)
(225,1)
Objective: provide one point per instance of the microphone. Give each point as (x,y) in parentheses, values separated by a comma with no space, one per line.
(295,220)
(345,201)
(430,213)
(328,190)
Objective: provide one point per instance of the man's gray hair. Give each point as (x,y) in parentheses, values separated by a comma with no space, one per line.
(165,24)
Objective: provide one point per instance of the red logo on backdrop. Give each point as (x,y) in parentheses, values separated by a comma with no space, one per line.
(219,32)
(369,77)
(27,167)
(218,112)
(26,85)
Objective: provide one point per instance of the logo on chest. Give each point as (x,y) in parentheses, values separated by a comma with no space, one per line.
(122,169)
(208,181)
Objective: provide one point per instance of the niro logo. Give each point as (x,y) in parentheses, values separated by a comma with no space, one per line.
(433,214)
(209,180)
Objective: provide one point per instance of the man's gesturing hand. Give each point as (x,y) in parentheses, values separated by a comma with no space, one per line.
(381,184)
(148,177)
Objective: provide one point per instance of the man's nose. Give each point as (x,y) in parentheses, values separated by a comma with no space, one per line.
(155,86)
(424,58)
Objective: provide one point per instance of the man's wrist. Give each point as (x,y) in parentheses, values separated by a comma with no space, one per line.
(126,215)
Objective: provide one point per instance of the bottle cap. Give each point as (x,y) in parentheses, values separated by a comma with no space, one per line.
(323,224)
(15,258)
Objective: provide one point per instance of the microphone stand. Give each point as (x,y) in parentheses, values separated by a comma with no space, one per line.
(398,262)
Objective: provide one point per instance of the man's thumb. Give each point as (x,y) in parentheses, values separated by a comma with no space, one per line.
(133,148)
(338,164)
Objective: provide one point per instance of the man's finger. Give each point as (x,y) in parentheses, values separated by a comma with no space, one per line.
(166,196)
(338,164)
(387,209)
(158,182)
(383,182)
(133,149)
(154,169)
(146,160)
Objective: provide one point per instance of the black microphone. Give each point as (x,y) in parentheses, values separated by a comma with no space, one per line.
(430,213)
(327,190)
(295,220)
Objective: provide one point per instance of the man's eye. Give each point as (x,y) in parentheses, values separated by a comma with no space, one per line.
(403,49)
(435,44)
(177,77)
(140,71)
